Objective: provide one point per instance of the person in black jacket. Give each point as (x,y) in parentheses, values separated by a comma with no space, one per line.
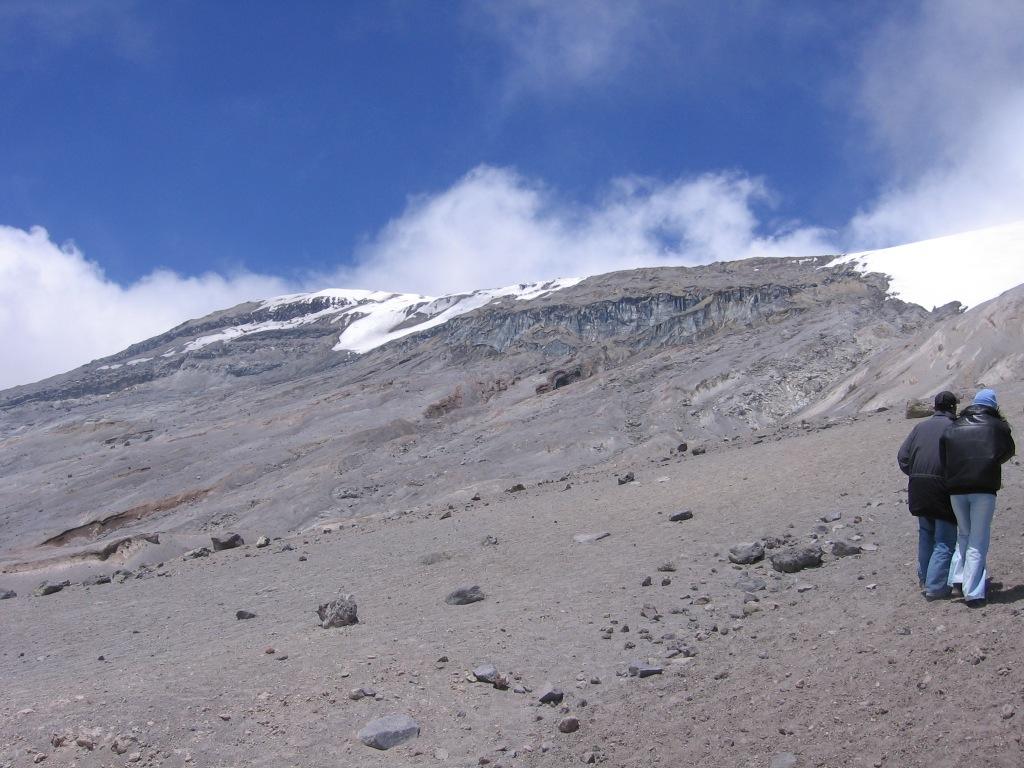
(973,451)
(928,498)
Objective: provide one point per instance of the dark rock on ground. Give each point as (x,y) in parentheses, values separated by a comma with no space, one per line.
(843,549)
(198,552)
(389,731)
(7,594)
(340,612)
(227,541)
(517,488)
(568,725)
(96,579)
(646,582)
(796,559)
(747,553)
(48,589)
(242,615)
(698,450)
(465,595)
(551,695)
(629,477)
(676,517)
(489,541)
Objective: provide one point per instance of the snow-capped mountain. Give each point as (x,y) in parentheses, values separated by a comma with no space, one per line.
(970,267)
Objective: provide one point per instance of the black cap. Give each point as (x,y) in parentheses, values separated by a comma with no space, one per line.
(945,401)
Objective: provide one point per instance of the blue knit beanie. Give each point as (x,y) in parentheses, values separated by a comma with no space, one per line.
(986,397)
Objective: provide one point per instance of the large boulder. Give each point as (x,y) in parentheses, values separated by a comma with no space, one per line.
(340,612)
(919,409)
(389,731)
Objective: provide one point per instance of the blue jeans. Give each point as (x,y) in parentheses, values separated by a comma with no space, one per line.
(974,523)
(936,540)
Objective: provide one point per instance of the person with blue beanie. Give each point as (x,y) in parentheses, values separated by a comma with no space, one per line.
(972,452)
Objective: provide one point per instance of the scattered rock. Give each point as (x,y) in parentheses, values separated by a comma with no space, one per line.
(747,553)
(590,538)
(95,580)
(1007,711)
(486,673)
(465,595)
(677,517)
(517,488)
(629,477)
(86,742)
(226,541)
(698,450)
(796,559)
(340,612)
(7,594)
(666,581)
(646,582)
(551,695)
(831,517)
(842,549)
(389,731)
(358,694)
(489,541)
(668,567)
(919,409)
(49,589)
(568,725)
(196,553)
(682,447)
(243,615)
(643,669)
(262,541)
(122,743)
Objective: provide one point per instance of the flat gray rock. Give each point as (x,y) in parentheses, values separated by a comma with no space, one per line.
(550,694)
(465,595)
(843,549)
(389,731)
(7,594)
(677,517)
(643,669)
(590,538)
(486,673)
(745,554)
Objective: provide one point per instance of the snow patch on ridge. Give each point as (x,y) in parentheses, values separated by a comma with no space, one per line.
(378,317)
(971,267)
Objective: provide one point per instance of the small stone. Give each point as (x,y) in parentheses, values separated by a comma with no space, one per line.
(95,580)
(262,541)
(46,588)
(389,731)
(831,517)
(842,549)
(698,451)
(666,582)
(226,541)
(629,477)
(747,553)
(224,716)
(7,594)
(86,742)
(685,514)
(668,567)
(643,669)
(924,682)
(465,595)
(358,694)
(489,541)
(486,673)
(646,582)
(39,757)
(194,554)
(568,725)
(341,612)
(1007,711)
(243,615)
(517,488)
(590,538)
(122,743)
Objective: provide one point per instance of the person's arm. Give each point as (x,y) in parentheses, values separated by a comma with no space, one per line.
(903,457)
(1008,446)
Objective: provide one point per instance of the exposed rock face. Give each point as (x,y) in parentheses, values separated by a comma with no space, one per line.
(643,361)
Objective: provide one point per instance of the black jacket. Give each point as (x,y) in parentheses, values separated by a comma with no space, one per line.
(974,448)
(919,458)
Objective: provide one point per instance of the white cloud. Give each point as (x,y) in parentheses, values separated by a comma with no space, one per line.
(58,310)
(942,91)
(494,227)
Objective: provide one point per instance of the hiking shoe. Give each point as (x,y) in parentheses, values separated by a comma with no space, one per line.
(930,596)
(981,602)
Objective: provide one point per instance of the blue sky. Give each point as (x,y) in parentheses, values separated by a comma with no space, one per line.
(203,153)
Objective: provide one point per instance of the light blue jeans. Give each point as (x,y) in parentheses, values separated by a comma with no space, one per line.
(936,540)
(974,525)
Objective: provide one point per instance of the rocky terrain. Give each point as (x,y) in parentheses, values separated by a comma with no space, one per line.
(674,491)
